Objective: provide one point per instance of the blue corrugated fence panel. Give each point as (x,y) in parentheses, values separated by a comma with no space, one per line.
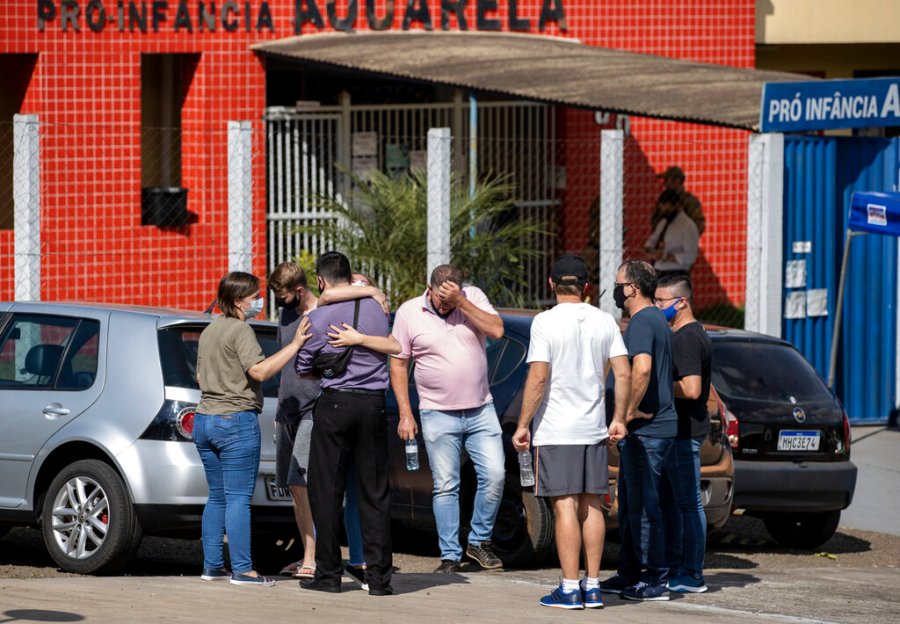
(820,175)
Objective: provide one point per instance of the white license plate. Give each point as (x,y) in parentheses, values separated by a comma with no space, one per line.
(798,440)
(274,492)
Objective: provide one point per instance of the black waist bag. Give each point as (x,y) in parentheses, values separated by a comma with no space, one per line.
(333,364)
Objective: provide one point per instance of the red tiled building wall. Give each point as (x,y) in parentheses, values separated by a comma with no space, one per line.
(86,89)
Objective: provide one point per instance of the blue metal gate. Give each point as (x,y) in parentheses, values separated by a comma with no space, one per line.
(820,174)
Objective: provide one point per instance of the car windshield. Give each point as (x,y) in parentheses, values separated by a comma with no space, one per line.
(765,371)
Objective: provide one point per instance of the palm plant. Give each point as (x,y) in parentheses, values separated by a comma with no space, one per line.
(382,227)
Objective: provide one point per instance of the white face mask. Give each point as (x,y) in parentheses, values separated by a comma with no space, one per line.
(256,306)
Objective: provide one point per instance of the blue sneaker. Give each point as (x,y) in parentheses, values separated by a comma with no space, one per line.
(563,600)
(215,574)
(615,584)
(645,591)
(687,584)
(592,598)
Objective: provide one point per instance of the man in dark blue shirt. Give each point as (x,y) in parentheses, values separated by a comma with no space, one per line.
(647,435)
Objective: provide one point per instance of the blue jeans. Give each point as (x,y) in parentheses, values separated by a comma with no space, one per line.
(445,434)
(640,515)
(228,445)
(683,514)
(351,519)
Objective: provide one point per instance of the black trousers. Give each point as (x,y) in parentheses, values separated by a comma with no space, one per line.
(349,425)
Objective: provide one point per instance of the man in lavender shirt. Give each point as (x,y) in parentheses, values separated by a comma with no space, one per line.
(349,422)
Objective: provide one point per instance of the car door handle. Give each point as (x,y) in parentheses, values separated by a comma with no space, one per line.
(56,409)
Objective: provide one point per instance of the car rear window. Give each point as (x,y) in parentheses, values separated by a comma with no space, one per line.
(765,371)
(178,353)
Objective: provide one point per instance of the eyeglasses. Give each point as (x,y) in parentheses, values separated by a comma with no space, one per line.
(623,284)
(661,300)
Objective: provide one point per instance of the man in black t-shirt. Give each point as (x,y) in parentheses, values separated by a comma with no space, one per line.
(683,515)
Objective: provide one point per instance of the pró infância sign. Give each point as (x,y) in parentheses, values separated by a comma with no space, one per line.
(233,15)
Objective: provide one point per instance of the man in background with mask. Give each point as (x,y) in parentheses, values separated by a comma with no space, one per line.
(673,245)
(293,416)
(444,330)
(684,518)
(646,433)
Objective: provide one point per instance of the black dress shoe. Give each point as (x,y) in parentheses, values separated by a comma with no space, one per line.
(387,590)
(319,585)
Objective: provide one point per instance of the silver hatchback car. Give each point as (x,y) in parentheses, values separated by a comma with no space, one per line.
(96,414)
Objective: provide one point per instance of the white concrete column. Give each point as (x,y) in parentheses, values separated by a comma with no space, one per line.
(612,173)
(438,225)
(240,196)
(27,207)
(765,215)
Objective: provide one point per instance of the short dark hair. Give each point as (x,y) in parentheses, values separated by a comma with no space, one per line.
(641,275)
(334,267)
(446,273)
(679,284)
(233,286)
(568,290)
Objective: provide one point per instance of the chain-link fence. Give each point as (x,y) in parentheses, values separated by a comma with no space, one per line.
(157,216)
(126,215)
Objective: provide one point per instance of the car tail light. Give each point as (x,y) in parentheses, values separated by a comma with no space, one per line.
(732,428)
(174,422)
(847,435)
(184,422)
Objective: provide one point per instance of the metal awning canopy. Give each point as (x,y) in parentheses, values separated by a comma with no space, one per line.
(545,69)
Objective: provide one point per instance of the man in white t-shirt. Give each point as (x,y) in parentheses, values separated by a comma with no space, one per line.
(572,347)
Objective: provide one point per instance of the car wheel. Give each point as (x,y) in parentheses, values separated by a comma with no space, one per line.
(523,532)
(802,530)
(88,521)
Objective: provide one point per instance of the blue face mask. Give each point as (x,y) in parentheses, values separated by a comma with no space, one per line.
(256,306)
(670,312)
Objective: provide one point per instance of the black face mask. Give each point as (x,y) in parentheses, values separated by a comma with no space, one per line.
(619,296)
(280,303)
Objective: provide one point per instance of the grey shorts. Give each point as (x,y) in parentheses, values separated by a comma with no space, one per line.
(564,469)
(292,451)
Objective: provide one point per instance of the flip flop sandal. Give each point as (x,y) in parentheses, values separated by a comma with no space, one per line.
(305,572)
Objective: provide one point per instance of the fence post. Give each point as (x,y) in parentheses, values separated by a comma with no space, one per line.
(27,207)
(612,173)
(240,196)
(765,183)
(438,223)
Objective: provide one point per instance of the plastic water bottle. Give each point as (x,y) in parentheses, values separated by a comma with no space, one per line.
(526,472)
(412,455)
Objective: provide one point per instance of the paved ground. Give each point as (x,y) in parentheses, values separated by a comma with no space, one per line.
(850,579)
(876,504)
(749,596)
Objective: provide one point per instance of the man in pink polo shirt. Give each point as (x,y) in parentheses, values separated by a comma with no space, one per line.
(444,330)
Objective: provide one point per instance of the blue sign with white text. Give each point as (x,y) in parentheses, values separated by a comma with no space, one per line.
(878,213)
(830,104)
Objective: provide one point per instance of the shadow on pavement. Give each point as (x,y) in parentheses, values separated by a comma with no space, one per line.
(39,615)
(421,581)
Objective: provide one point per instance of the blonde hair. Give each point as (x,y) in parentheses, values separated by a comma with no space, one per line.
(287,275)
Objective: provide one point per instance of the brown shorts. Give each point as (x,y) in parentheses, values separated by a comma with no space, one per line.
(565,469)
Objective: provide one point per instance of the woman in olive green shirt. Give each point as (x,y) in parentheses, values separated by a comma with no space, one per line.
(230,370)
